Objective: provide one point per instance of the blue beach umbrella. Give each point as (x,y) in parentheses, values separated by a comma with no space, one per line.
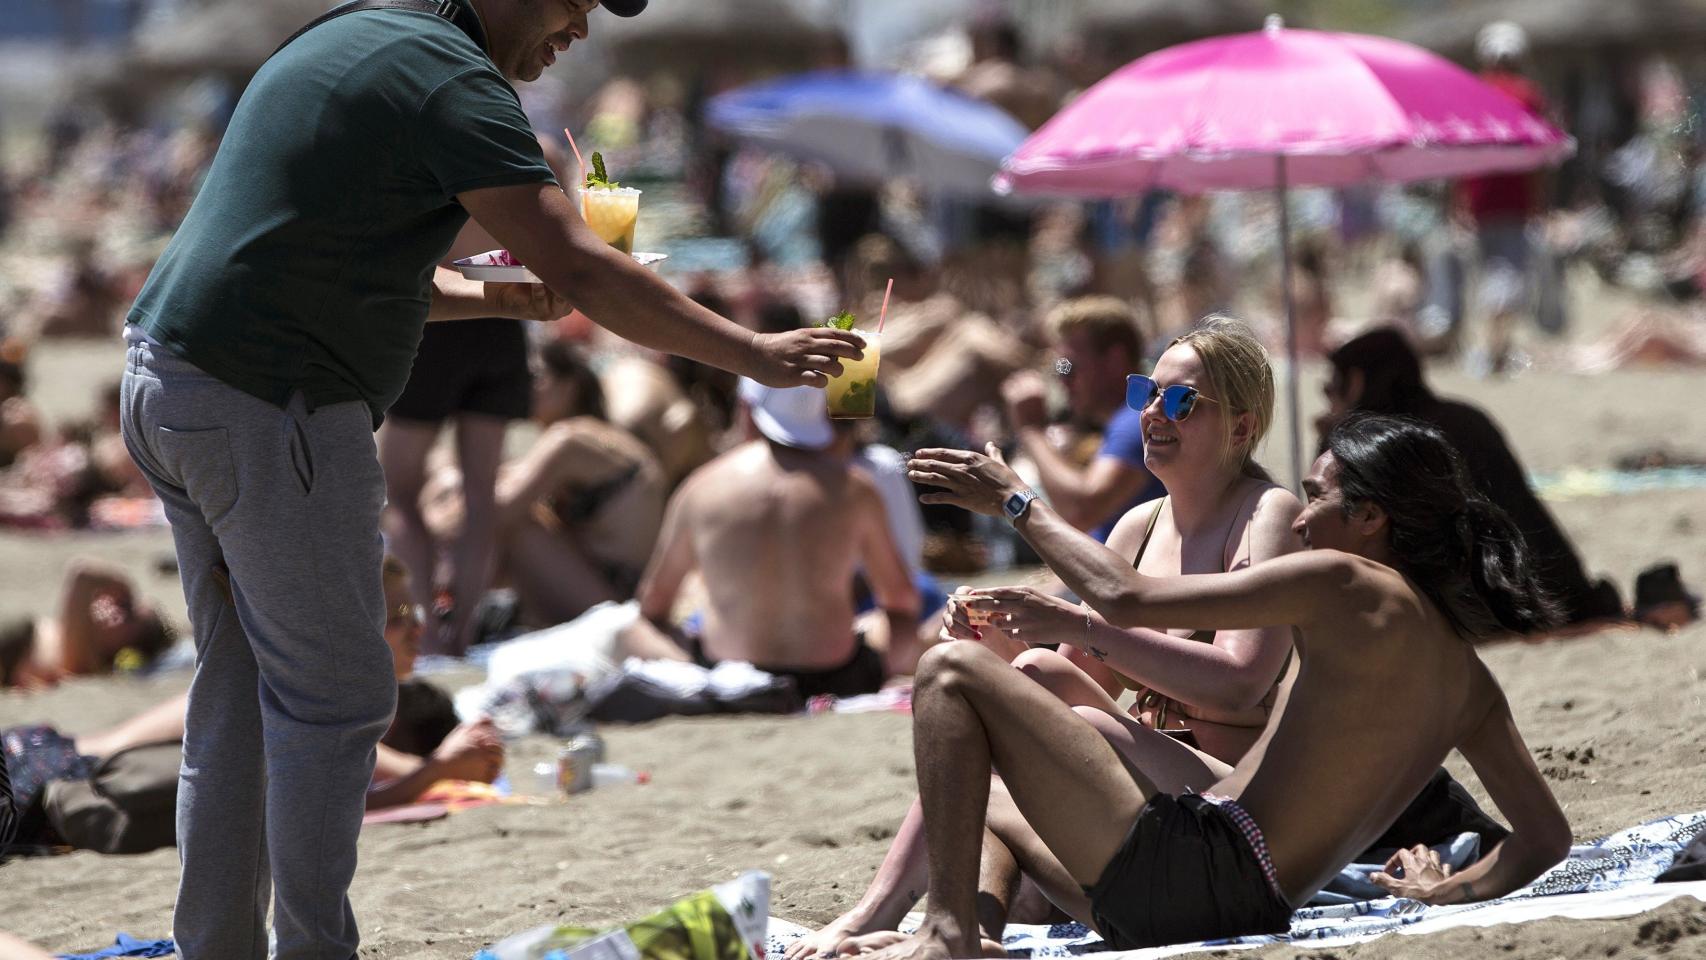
(874,126)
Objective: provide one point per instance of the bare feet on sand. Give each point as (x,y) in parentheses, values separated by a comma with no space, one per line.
(828,941)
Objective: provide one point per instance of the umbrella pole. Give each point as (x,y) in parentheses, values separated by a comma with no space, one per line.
(1290,326)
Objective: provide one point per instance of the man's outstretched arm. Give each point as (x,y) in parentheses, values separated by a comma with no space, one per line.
(539,224)
(1540,834)
(1296,589)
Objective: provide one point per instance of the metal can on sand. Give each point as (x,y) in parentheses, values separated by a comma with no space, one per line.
(575,762)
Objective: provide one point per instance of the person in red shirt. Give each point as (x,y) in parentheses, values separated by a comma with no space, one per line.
(1499,206)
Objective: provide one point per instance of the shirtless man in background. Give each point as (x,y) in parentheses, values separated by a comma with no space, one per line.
(777,527)
(1408,566)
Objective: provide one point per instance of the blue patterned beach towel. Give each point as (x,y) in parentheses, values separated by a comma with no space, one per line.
(1610,878)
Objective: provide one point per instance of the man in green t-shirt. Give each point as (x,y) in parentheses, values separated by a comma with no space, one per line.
(270,338)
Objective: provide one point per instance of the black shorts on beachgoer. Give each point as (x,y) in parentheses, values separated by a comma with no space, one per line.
(1186,872)
(468,366)
(862,673)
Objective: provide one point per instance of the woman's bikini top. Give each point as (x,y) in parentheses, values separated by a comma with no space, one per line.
(583,504)
(1155,709)
(578,505)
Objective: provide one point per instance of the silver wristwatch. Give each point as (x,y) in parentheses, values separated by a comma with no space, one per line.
(1017,503)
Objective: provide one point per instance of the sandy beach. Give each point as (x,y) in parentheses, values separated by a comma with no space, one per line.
(1614,720)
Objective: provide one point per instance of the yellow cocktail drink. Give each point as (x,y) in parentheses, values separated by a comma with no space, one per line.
(611,212)
(854,394)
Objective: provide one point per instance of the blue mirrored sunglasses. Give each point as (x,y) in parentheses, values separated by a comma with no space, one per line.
(1177,401)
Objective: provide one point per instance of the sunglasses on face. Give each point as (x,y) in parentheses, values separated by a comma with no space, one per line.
(1177,401)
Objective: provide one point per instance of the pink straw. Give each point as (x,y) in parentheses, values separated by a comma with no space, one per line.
(577,151)
(884,315)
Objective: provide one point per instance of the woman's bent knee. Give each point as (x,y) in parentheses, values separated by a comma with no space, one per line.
(1041,663)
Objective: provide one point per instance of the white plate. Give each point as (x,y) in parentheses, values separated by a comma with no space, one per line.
(496,266)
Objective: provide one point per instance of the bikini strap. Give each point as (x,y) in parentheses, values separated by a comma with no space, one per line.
(1228,538)
(1149,531)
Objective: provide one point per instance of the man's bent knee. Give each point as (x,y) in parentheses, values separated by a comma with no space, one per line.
(951,663)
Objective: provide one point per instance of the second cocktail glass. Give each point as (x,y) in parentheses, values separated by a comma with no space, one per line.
(612,213)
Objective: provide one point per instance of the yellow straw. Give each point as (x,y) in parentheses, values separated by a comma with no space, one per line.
(577,151)
(884,315)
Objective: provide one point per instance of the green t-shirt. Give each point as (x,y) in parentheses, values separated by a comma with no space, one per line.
(306,260)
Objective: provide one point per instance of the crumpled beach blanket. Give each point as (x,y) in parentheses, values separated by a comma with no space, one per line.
(127,946)
(1610,878)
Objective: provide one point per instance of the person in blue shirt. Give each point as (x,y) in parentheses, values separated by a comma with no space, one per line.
(1099,339)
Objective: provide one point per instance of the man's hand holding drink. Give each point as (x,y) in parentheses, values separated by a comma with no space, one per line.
(809,357)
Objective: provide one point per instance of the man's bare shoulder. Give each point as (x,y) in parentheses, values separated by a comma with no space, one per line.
(1367,595)
(740,460)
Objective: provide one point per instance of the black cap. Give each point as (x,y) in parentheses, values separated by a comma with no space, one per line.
(624,8)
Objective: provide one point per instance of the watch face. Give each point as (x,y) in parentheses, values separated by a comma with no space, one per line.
(1015,504)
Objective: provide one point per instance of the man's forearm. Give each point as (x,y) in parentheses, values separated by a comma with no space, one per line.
(637,305)
(1509,865)
(1101,577)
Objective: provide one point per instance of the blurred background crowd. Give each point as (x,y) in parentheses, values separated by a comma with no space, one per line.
(1009,315)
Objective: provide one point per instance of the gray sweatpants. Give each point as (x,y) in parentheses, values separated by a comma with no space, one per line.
(275,513)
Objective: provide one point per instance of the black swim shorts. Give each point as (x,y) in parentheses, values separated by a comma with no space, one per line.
(468,366)
(1186,872)
(862,673)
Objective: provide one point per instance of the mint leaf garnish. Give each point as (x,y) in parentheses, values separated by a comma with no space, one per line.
(841,321)
(598,177)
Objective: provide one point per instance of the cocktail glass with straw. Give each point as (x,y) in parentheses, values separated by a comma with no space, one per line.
(853,394)
(611,212)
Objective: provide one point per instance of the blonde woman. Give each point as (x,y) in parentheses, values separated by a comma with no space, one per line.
(1205,408)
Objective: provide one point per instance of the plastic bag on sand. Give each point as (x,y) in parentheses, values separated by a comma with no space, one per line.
(726,922)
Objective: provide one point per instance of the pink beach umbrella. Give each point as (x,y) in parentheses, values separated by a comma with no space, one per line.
(1275,109)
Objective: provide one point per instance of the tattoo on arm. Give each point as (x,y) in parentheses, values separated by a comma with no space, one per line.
(1465,891)
(1098,653)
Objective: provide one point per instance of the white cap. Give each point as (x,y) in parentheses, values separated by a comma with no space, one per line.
(791,416)
(1501,40)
